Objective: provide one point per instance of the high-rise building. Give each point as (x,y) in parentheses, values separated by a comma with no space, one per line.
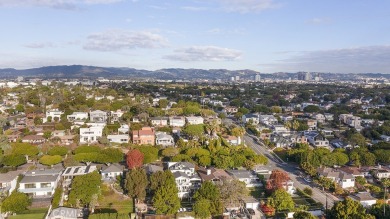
(237,78)
(257,78)
(307,76)
(301,76)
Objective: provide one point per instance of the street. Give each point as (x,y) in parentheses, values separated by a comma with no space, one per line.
(273,162)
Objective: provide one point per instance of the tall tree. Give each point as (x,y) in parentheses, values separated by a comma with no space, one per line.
(282,201)
(136,183)
(232,191)
(134,159)
(15,203)
(83,188)
(202,208)
(277,180)
(165,199)
(349,208)
(209,191)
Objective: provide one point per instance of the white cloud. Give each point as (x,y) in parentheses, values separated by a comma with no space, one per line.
(347,60)
(57,4)
(116,40)
(246,6)
(205,53)
(40,45)
(318,21)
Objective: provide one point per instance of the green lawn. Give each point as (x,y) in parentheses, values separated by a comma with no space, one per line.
(29,216)
(110,202)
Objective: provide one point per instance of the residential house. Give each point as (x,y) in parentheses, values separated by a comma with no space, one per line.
(381,173)
(213,174)
(354,171)
(8,182)
(152,168)
(54,114)
(312,124)
(58,133)
(112,171)
(319,117)
(337,143)
(98,116)
(115,116)
(316,139)
(33,139)
(194,120)
(66,213)
(385,138)
(124,129)
(230,109)
(159,121)
(67,139)
(144,136)
(250,178)
(364,198)
(298,138)
(164,139)
(251,118)
(91,134)
(233,140)
(280,141)
(187,180)
(345,180)
(118,138)
(77,116)
(40,183)
(177,121)
(279,129)
(351,120)
(329,116)
(72,171)
(268,120)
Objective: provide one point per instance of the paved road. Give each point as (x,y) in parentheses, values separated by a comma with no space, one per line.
(291,169)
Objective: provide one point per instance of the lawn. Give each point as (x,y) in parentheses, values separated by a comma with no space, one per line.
(111,202)
(257,192)
(29,216)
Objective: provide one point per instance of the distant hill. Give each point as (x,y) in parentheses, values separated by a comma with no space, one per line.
(82,71)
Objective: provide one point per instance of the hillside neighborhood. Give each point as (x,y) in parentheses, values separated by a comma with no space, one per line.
(116,149)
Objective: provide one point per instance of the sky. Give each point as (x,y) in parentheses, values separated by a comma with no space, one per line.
(341,36)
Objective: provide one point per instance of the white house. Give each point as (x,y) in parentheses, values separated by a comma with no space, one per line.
(233,140)
(70,172)
(40,183)
(319,117)
(118,138)
(8,182)
(364,198)
(98,116)
(268,120)
(316,139)
(194,120)
(111,172)
(345,180)
(177,121)
(162,138)
(124,129)
(250,178)
(159,121)
(91,134)
(53,114)
(77,116)
(187,180)
(279,129)
(115,116)
(254,118)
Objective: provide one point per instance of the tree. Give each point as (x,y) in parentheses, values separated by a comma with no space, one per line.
(50,160)
(58,150)
(134,158)
(238,131)
(47,134)
(170,152)
(282,201)
(308,191)
(377,210)
(150,153)
(163,103)
(202,208)
(232,191)
(136,183)
(14,160)
(113,155)
(210,192)
(195,131)
(311,109)
(83,188)
(349,208)
(303,215)
(15,203)
(277,180)
(24,149)
(165,199)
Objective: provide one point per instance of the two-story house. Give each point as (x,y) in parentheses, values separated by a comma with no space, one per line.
(98,116)
(316,139)
(40,183)
(112,171)
(72,171)
(120,139)
(91,134)
(159,121)
(177,121)
(233,140)
(54,114)
(164,139)
(345,180)
(194,120)
(77,116)
(250,178)
(144,136)
(8,181)
(115,116)
(187,180)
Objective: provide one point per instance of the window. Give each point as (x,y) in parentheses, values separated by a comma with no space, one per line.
(30,186)
(45,185)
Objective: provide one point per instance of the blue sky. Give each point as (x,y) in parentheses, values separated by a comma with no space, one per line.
(262,35)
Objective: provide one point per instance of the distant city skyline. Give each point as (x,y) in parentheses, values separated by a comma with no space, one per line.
(351,36)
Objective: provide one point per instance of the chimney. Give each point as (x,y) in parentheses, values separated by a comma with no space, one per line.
(208,172)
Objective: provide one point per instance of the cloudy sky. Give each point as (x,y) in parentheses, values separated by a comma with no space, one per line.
(263,35)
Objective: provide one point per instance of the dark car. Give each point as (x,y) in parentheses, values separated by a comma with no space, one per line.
(251,211)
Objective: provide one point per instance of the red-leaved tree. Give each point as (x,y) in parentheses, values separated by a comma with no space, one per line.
(134,159)
(277,180)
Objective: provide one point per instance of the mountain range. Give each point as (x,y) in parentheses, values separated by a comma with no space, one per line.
(82,71)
